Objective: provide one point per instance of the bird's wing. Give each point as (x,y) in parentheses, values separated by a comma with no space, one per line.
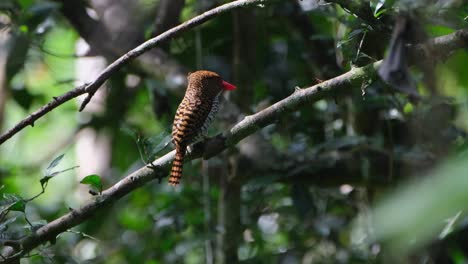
(189,120)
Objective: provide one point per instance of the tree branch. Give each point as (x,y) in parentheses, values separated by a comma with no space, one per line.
(249,125)
(29,120)
(92,87)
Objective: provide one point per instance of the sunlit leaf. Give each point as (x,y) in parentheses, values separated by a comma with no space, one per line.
(408,108)
(377,7)
(93,181)
(380,12)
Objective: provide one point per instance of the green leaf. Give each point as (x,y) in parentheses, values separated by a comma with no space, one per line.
(19,206)
(53,164)
(408,108)
(94,181)
(44,180)
(13,203)
(377,6)
(380,12)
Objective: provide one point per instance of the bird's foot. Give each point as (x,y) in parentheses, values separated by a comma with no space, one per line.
(155,169)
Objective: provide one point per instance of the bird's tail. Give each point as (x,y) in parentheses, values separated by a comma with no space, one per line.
(177,165)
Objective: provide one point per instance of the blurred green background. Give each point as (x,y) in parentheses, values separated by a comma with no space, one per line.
(368,177)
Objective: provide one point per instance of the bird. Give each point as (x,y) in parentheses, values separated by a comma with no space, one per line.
(195,114)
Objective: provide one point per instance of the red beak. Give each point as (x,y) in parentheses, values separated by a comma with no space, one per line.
(228,86)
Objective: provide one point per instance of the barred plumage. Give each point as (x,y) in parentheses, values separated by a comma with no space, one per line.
(194,115)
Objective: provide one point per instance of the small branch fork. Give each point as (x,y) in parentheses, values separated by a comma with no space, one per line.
(249,125)
(92,87)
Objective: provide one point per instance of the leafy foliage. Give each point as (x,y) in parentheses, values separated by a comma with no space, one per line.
(94,181)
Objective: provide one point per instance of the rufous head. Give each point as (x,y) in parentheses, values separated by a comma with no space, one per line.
(208,80)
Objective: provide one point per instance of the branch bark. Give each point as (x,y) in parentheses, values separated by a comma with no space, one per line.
(92,87)
(249,125)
